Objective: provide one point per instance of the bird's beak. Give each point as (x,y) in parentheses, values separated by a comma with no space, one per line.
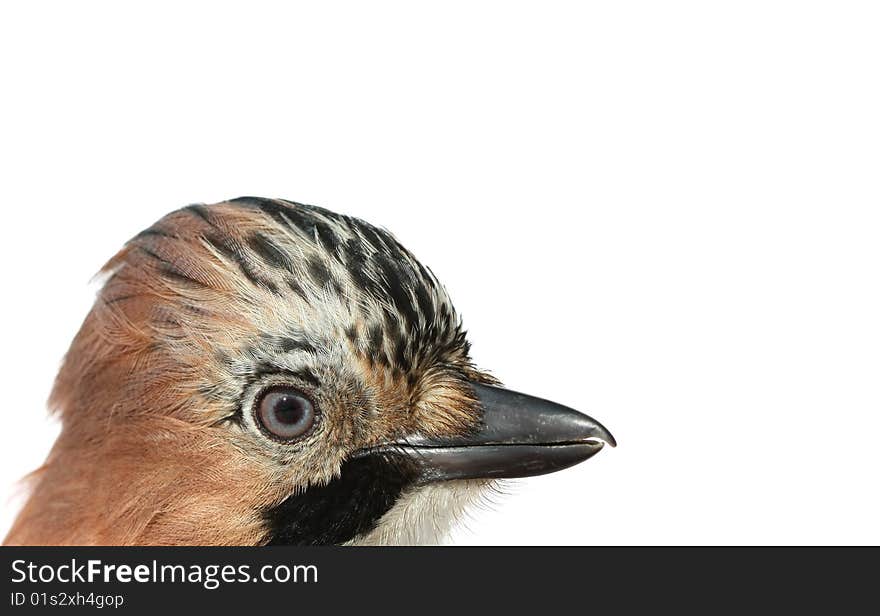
(520,436)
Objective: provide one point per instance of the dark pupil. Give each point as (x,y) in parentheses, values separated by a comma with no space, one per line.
(289,410)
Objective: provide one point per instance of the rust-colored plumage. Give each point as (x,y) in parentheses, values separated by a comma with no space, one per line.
(147,395)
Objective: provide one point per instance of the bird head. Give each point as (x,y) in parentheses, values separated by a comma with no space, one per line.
(259,371)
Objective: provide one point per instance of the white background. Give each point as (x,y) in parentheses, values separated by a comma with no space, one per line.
(665,214)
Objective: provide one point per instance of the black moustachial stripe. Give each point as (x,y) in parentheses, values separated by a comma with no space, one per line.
(348,506)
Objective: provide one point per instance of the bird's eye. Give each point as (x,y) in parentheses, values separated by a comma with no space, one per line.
(285,413)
